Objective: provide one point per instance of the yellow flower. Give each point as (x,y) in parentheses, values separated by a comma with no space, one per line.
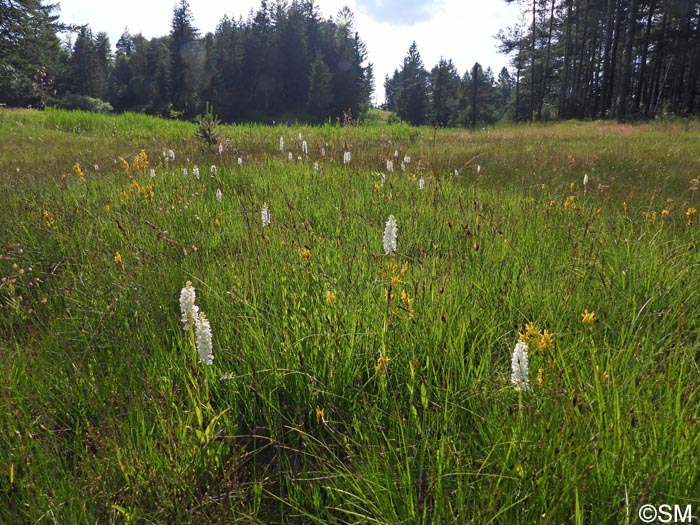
(382,364)
(664,213)
(531,331)
(123,196)
(540,376)
(119,261)
(305,254)
(49,218)
(124,164)
(320,412)
(140,161)
(624,206)
(107,208)
(588,318)
(395,280)
(406,299)
(78,172)
(690,213)
(570,202)
(651,217)
(330,296)
(544,341)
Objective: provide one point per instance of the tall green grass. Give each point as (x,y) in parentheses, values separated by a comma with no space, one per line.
(347,386)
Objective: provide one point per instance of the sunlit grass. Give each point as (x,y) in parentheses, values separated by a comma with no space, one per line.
(347,386)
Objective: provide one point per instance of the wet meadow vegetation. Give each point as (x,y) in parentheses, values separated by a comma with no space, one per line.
(520,345)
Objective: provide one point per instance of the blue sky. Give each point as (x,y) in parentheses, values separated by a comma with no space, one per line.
(462,30)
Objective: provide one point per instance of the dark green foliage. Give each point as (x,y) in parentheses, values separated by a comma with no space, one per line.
(618,58)
(283,63)
(31,57)
(73,101)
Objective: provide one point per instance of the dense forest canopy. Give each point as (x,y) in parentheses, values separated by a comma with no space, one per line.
(623,59)
(283,61)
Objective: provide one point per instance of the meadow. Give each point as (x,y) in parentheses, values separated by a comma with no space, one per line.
(348,384)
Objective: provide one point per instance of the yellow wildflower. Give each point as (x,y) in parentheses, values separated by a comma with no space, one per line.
(125,165)
(570,202)
(331,297)
(382,364)
(406,299)
(690,213)
(544,340)
(540,376)
(119,261)
(78,172)
(305,254)
(664,213)
(588,318)
(531,331)
(320,412)
(49,219)
(140,162)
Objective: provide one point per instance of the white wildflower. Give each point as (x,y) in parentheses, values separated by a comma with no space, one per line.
(456,173)
(346,157)
(97,167)
(403,166)
(265,215)
(240,161)
(396,154)
(195,172)
(282,144)
(390,231)
(585,180)
(203,340)
(213,170)
(153,173)
(323,152)
(300,137)
(188,309)
(316,166)
(389,166)
(290,156)
(171,154)
(221,148)
(518,363)
(304,148)
(383,178)
(406,159)
(478,169)
(219,195)
(184,171)
(421,183)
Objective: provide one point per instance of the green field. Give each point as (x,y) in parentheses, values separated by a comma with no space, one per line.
(348,385)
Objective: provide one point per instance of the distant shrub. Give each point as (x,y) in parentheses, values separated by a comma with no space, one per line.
(74,101)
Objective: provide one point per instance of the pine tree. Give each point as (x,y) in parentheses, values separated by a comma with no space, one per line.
(184,52)
(320,95)
(31,58)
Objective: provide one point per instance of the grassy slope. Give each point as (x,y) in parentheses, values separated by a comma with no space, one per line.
(107,416)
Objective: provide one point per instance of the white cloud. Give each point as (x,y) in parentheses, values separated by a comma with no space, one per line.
(399,12)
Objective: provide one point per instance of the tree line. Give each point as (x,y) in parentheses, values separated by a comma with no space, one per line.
(284,61)
(622,59)
(442,97)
